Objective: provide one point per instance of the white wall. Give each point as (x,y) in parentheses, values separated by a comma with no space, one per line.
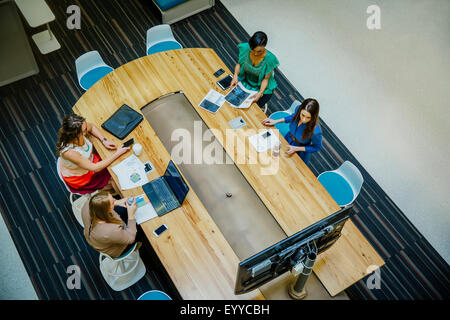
(385,93)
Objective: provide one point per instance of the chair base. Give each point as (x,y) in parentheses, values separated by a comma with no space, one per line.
(46,41)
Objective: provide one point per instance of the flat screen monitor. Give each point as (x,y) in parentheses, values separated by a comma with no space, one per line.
(282,256)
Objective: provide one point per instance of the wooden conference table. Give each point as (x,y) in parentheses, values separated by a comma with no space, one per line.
(193,250)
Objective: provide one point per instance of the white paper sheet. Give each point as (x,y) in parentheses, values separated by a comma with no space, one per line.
(262,142)
(145,210)
(239,97)
(212,101)
(131,173)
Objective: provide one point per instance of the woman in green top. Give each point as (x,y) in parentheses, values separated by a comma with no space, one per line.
(255,68)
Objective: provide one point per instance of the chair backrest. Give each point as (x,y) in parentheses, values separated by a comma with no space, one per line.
(159,33)
(154,295)
(278,115)
(58,165)
(88,61)
(126,254)
(294,105)
(354,177)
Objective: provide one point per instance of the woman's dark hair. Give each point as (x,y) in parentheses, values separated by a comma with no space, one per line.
(70,130)
(312,106)
(259,39)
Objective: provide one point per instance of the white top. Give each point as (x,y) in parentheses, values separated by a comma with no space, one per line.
(36,12)
(84,150)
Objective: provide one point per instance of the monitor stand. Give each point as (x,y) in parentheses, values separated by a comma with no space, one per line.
(303,267)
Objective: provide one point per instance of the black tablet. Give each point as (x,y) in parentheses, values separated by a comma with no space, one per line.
(122,122)
(225,82)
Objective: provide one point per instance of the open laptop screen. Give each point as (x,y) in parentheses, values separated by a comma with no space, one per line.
(176,182)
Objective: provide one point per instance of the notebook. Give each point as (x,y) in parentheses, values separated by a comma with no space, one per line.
(167,192)
(122,122)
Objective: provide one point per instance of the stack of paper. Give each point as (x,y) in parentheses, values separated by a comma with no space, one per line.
(145,210)
(131,173)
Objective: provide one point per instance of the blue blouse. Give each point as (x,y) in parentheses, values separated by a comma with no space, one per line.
(311,144)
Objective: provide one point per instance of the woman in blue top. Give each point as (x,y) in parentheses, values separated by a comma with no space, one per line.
(255,68)
(305,135)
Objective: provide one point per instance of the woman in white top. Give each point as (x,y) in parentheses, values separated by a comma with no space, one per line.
(81,167)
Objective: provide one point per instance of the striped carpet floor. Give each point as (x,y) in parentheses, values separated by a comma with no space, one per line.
(35,205)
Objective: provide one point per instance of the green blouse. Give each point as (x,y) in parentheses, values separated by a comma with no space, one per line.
(252,76)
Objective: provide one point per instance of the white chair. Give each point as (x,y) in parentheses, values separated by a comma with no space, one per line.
(284,127)
(290,111)
(343,184)
(91,68)
(77,204)
(124,271)
(160,38)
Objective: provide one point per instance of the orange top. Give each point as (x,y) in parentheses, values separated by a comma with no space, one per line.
(77,182)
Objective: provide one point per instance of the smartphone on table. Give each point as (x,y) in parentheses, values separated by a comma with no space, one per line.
(128,143)
(219,72)
(157,232)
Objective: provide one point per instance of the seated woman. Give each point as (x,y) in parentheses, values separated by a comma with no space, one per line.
(254,68)
(109,224)
(305,135)
(80,166)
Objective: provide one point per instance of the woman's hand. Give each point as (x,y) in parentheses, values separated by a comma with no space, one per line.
(256,96)
(234,82)
(109,144)
(121,203)
(121,150)
(292,150)
(269,122)
(131,209)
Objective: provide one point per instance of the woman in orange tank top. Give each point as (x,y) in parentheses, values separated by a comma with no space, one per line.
(81,167)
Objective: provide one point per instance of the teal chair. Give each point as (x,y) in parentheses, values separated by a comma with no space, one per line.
(160,38)
(284,127)
(343,184)
(91,68)
(154,295)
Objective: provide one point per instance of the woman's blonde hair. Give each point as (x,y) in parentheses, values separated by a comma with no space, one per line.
(99,209)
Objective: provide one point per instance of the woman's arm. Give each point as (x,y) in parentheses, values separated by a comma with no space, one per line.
(237,70)
(316,143)
(121,202)
(263,87)
(271,122)
(97,133)
(86,164)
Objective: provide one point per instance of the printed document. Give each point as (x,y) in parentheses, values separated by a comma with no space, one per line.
(145,210)
(212,101)
(131,173)
(264,140)
(239,97)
